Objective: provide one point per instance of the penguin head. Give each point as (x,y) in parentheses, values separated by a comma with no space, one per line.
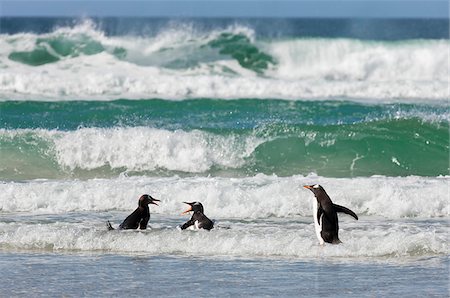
(320,194)
(194,206)
(144,200)
(315,188)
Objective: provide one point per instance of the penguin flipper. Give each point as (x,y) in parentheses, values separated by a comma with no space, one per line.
(109,226)
(345,210)
(187,224)
(319,213)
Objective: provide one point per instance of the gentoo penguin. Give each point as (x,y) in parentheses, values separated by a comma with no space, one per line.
(139,217)
(198,219)
(325,215)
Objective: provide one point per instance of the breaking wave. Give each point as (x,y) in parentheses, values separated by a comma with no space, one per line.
(360,149)
(82,62)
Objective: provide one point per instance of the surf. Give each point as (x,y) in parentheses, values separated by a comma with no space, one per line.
(242,198)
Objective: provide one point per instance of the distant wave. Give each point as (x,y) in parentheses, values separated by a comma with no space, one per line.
(81,62)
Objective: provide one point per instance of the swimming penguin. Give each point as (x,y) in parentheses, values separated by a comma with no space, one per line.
(325,215)
(198,219)
(139,217)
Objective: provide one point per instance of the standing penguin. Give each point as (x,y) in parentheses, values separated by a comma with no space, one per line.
(325,215)
(139,217)
(198,219)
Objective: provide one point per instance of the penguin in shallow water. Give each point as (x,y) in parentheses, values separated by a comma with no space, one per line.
(325,215)
(140,217)
(198,219)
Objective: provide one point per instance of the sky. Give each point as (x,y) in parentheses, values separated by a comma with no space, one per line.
(230,8)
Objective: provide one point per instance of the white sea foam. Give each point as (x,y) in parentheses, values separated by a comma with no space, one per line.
(352,60)
(308,68)
(295,240)
(261,216)
(255,197)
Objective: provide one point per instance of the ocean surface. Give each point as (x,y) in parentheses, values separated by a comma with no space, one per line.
(238,114)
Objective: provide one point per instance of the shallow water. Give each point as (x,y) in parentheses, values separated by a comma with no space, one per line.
(105,275)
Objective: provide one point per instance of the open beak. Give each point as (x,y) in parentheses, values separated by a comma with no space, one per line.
(154,203)
(188,210)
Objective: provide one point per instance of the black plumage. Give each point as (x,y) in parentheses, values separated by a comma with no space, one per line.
(327,214)
(198,219)
(140,217)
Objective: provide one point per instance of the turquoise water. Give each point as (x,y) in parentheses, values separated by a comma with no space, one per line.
(332,139)
(238,114)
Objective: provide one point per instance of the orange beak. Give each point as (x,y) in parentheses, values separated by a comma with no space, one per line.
(188,210)
(307,186)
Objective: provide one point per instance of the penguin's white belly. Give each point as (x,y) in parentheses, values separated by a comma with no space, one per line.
(317,222)
(196,226)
